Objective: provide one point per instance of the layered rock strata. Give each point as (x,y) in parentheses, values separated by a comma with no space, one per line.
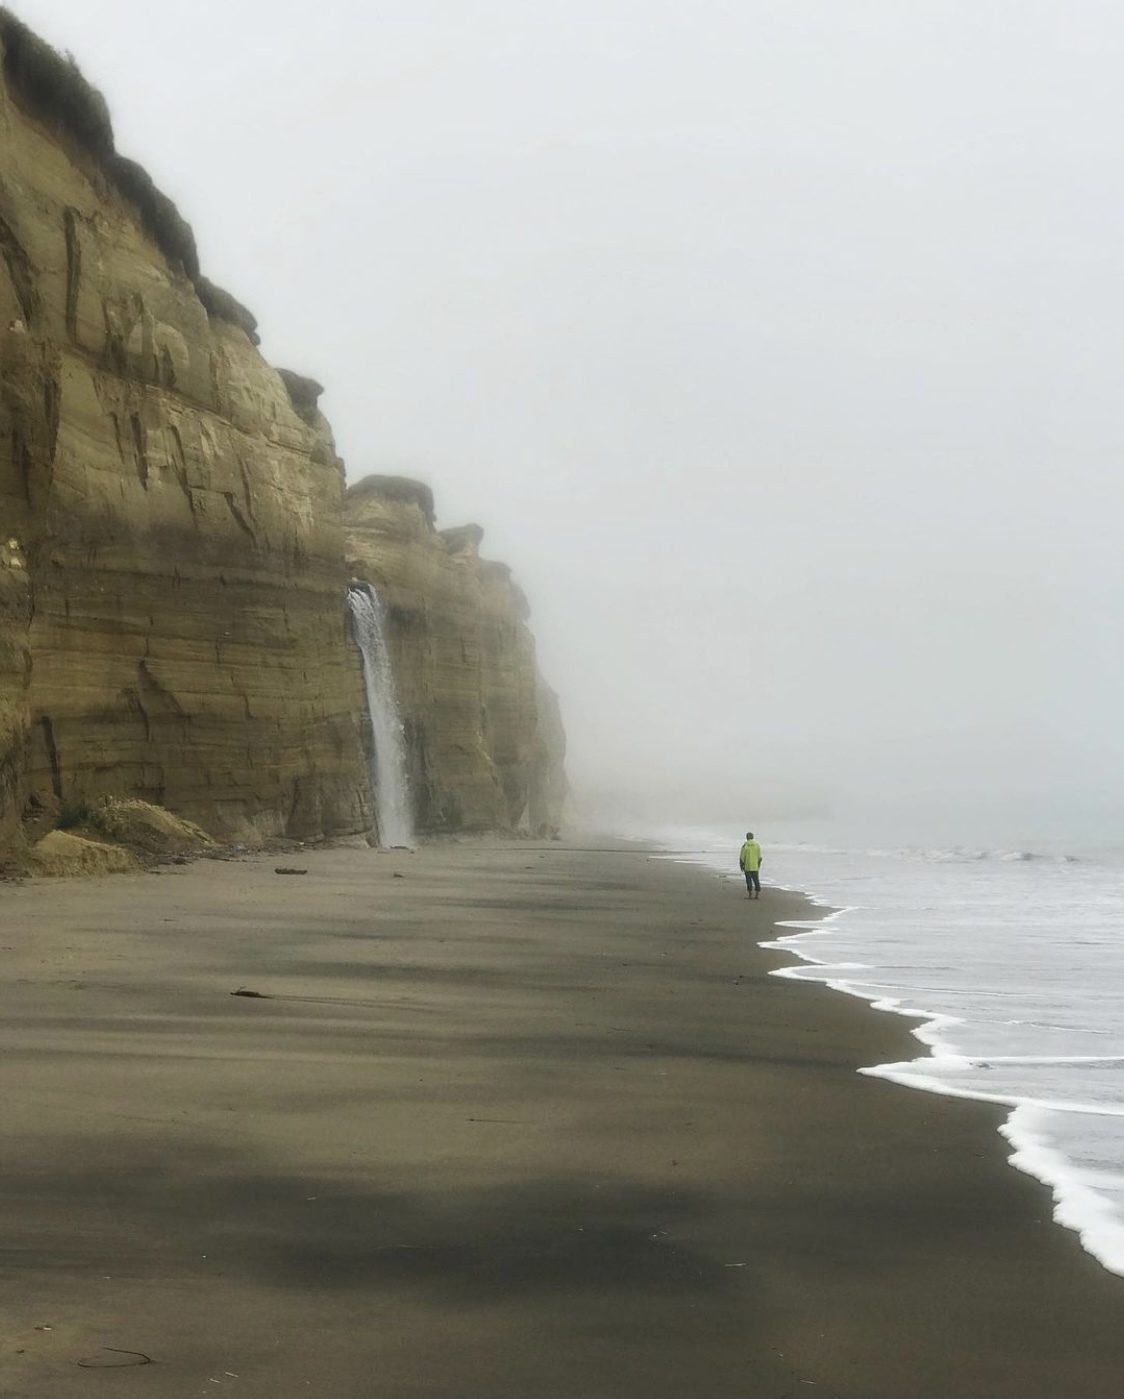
(173,570)
(172,566)
(484,735)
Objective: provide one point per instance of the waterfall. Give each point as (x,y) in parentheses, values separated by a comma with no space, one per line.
(389,782)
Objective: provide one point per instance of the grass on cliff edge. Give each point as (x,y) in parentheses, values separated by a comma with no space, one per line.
(52,88)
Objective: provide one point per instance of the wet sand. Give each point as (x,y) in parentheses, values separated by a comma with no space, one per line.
(524,1121)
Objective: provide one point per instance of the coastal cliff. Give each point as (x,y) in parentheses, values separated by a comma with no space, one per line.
(484,737)
(173,570)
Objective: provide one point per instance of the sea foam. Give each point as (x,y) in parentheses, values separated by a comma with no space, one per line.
(1012,961)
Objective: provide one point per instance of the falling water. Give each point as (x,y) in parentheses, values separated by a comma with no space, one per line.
(388,762)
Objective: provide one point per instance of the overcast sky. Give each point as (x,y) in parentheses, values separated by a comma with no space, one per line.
(779,348)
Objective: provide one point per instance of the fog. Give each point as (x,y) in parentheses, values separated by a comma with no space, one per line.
(776,346)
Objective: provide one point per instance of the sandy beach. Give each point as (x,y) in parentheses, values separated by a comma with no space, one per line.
(507,1119)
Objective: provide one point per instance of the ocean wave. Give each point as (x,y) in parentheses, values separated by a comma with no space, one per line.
(958,854)
(1009,966)
(953,854)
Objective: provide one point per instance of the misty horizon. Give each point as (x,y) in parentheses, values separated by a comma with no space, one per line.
(775,348)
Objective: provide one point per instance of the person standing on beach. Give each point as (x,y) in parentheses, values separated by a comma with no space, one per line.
(750,862)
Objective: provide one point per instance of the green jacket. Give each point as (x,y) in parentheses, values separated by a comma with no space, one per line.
(750,858)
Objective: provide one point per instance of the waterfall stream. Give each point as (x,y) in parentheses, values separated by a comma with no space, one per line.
(389,783)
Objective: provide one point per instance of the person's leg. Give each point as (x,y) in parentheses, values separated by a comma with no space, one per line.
(756,884)
(749,884)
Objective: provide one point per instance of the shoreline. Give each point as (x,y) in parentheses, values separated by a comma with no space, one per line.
(509,1118)
(1078,1193)
(1077,1204)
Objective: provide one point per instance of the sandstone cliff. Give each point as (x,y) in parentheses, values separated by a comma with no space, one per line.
(172,559)
(485,742)
(173,572)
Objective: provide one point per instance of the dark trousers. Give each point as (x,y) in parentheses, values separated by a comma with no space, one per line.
(752,881)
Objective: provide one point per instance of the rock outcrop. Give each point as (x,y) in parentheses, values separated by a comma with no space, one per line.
(176,516)
(173,571)
(485,742)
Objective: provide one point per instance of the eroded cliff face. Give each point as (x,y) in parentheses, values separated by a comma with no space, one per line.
(173,565)
(484,735)
(15,670)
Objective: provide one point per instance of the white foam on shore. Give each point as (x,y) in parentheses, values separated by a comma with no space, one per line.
(1078,1202)
(1083,1197)
(1079,1196)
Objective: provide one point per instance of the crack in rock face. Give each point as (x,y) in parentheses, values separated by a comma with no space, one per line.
(177,551)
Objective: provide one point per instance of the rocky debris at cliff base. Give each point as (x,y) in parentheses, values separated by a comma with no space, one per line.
(112,836)
(63,855)
(147,829)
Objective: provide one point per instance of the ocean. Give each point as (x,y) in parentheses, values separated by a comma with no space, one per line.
(1012,963)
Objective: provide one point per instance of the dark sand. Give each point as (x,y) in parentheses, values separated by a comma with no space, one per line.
(527,1121)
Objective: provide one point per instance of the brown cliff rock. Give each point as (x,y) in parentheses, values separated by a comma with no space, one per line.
(15,672)
(62,854)
(173,570)
(173,565)
(485,744)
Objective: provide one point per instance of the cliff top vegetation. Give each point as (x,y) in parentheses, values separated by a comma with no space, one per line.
(304,393)
(51,88)
(400,488)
